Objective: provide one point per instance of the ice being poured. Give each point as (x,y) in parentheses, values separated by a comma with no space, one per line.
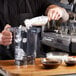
(37,21)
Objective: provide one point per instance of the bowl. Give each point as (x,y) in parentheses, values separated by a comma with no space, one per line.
(70,61)
(51,63)
(58,55)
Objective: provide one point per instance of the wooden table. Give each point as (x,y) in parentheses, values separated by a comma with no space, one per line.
(11,69)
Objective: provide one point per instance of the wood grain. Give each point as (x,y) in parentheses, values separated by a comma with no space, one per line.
(34,70)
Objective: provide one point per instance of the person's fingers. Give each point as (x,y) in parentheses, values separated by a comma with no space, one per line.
(50,15)
(6,33)
(6,43)
(65,15)
(7,26)
(54,15)
(57,17)
(7,38)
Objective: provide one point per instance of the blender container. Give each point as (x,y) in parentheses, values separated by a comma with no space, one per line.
(32,37)
(20,45)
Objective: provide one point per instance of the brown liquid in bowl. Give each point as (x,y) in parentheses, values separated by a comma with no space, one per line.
(70,63)
(51,63)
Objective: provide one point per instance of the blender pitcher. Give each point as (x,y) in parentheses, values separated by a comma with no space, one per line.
(25,45)
(32,36)
(31,45)
(20,45)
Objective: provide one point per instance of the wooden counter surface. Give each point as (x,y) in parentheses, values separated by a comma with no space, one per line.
(11,69)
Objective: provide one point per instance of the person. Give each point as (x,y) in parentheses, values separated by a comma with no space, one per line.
(13,13)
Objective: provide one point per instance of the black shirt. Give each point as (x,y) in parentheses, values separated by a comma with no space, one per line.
(14,12)
(11,11)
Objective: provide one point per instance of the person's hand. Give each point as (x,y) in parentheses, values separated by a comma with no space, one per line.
(56,12)
(6,38)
